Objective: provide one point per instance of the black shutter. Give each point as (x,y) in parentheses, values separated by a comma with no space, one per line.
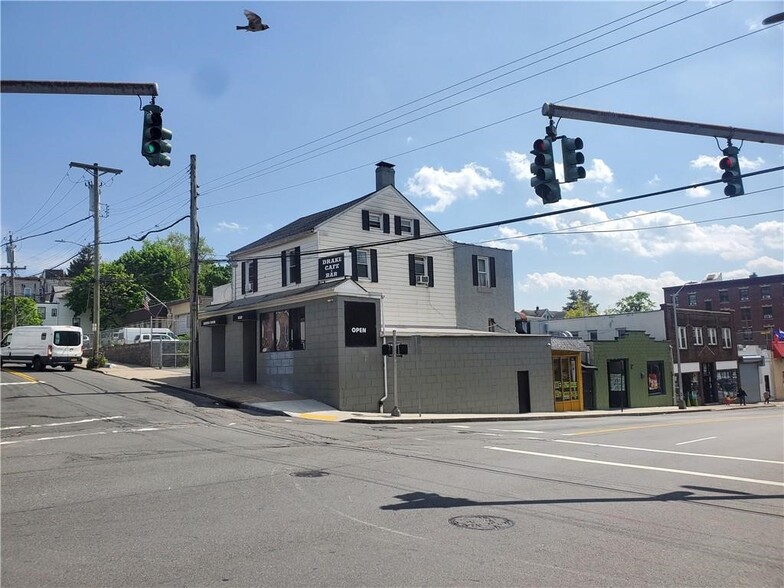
(492,272)
(284,280)
(253,278)
(430,272)
(365,220)
(373,266)
(354,269)
(297,277)
(475,269)
(412,270)
(242,278)
(386,222)
(416,227)
(397,226)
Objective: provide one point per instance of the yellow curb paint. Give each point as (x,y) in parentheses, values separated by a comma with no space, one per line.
(21,375)
(314,416)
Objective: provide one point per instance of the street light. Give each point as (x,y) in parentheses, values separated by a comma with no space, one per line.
(774,19)
(679,378)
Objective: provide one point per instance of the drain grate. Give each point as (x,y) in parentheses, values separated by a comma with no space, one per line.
(309,474)
(481,522)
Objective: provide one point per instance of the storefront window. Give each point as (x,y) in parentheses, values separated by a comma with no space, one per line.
(656,378)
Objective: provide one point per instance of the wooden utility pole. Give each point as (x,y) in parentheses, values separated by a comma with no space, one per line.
(9,249)
(96,206)
(194,355)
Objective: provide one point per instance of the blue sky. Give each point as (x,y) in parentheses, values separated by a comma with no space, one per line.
(286,122)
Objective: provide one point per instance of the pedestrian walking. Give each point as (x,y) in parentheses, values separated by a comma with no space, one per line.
(742,397)
(766,397)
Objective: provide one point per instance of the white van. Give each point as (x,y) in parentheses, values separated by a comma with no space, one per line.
(129,335)
(38,347)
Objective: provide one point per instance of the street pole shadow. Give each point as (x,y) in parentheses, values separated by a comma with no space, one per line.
(423,500)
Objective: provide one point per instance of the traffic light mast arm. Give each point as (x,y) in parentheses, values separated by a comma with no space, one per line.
(660,124)
(61,87)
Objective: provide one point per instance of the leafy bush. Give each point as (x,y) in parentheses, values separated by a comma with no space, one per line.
(96,361)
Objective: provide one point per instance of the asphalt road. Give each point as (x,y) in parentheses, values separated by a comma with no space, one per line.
(111,482)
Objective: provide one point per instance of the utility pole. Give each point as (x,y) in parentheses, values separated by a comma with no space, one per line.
(194,356)
(96,206)
(9,250)
(660,124)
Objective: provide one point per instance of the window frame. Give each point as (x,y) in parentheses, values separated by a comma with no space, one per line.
(743,294)
(483,274)
(726,338)
(683,339)
(282,330)
(713,338)
(363,264)
(697,335)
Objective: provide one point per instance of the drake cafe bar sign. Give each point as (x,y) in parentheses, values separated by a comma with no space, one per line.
(331,267)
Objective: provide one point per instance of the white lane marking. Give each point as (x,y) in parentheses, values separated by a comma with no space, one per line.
(15,383)
(695,440)
(641,467)
(754,459)
(518,431)
(459,426)
(56,437)
(61,424)
(534,438)
(490,434)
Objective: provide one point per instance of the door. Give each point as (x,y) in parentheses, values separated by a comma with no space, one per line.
(589,399)
(523,392)
(249,351)
(617,383)
(218,345)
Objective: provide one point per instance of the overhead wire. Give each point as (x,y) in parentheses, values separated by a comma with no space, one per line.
(314,153)
(457,84)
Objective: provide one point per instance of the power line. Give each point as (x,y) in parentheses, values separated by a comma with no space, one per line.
(512,220)
(536,110)
(370,119)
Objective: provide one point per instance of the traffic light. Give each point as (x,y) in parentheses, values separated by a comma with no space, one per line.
(572,159)
(544,181)
(731,175)
(155,139)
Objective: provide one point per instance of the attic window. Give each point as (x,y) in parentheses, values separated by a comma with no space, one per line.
(374,220)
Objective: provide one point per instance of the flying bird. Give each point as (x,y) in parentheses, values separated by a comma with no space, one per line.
(254,23)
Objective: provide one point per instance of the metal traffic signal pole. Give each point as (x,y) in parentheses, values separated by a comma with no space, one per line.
(660,124)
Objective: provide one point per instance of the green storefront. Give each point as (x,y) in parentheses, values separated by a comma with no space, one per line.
(632,371)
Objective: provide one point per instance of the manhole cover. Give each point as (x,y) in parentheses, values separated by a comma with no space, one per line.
(309,474)
(481,522)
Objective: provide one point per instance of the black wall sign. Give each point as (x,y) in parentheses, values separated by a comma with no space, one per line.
(360,324)
(331,267)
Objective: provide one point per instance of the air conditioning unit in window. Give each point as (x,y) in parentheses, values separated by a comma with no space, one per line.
(423,280)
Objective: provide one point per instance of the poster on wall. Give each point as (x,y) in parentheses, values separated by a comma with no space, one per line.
(360,319)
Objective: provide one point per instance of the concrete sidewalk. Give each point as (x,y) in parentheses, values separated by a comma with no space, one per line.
(254,397)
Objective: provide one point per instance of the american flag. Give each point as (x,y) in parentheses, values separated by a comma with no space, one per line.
(146,303)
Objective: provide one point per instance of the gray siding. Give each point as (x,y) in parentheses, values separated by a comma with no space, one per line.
(474,304)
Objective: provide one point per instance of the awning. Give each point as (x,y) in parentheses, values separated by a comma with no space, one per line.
(248,315)
(588,366)
(211,322)
(751,359)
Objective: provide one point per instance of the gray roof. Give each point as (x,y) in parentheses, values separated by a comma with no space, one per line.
(252,302)
(568,344)
(304,224)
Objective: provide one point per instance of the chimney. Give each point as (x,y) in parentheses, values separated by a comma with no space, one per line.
(385,175)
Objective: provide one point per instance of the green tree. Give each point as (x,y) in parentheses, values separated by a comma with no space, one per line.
(120,294)
(579,304)
(637,302)
(81,262)
(26,312)
(211,275)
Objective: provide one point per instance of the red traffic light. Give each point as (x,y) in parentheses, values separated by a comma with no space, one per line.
(541,145)
(727,162)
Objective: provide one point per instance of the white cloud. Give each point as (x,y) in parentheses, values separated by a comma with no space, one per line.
(654,180)
(229,226)
(645,235)
(599,172)
(447,187)
(766,265)
(519,165)
(512,235)
(698,192)
(712,162)
(604,290)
